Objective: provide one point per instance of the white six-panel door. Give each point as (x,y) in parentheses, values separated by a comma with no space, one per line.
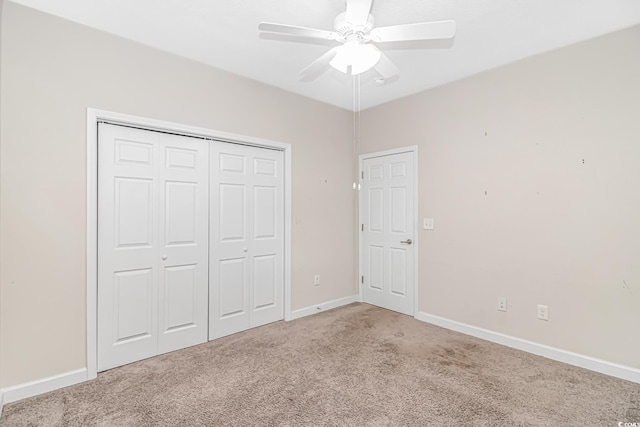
(152,243)
(387,216)
(247,238)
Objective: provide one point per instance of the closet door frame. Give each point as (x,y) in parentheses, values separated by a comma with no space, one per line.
(94,116)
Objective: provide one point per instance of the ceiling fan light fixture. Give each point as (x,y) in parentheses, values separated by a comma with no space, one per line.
(359,56)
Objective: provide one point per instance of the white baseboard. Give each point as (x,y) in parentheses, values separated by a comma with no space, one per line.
(44,385)
(608,368)
(318,308)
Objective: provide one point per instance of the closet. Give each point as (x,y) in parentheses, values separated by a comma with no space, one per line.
(190,241)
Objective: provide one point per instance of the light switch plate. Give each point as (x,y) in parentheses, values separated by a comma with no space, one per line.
(428,224)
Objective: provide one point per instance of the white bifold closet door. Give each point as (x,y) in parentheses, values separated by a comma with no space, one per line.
(153,204)
(247,238)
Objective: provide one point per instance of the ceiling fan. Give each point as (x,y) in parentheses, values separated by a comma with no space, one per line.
(355,31)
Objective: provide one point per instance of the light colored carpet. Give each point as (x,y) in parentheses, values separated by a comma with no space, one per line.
(353,366)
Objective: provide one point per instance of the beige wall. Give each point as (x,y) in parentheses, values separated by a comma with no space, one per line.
(52,70)
(1,376)
(554,141)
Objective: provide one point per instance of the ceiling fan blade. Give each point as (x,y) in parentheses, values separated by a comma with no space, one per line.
(298,31)
(385,67)
(317,67)
(358,11)
(297,39)
(421,31)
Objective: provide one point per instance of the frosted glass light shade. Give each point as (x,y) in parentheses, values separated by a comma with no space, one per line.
(360,57)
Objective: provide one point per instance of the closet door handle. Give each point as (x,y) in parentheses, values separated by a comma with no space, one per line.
(164,257)
(407,242)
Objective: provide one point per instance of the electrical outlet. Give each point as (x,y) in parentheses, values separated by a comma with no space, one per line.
(316,279)
(543,312)
(428,223)
(502,304)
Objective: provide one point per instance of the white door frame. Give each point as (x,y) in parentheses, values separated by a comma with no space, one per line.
(94,116)
(412,149)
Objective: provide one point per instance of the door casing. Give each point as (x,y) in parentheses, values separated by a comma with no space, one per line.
(94,116)
(411,149)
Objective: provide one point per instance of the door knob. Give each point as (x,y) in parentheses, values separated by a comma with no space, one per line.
(245,249)
(164,257)
(407,242)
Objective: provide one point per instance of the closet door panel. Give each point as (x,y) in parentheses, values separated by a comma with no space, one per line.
(152,243)
(127,245)
(247,242)
(184,249)
(229,241)
(267,249)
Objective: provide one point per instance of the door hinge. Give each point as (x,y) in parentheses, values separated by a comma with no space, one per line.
(362,175)
(362,229)
(362,279)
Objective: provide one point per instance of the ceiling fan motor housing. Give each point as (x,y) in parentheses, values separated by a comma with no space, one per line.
(347,30)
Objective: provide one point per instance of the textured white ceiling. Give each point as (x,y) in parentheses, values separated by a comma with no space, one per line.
(224,34)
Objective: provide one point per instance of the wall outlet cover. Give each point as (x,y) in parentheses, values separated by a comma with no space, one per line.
(543,312)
